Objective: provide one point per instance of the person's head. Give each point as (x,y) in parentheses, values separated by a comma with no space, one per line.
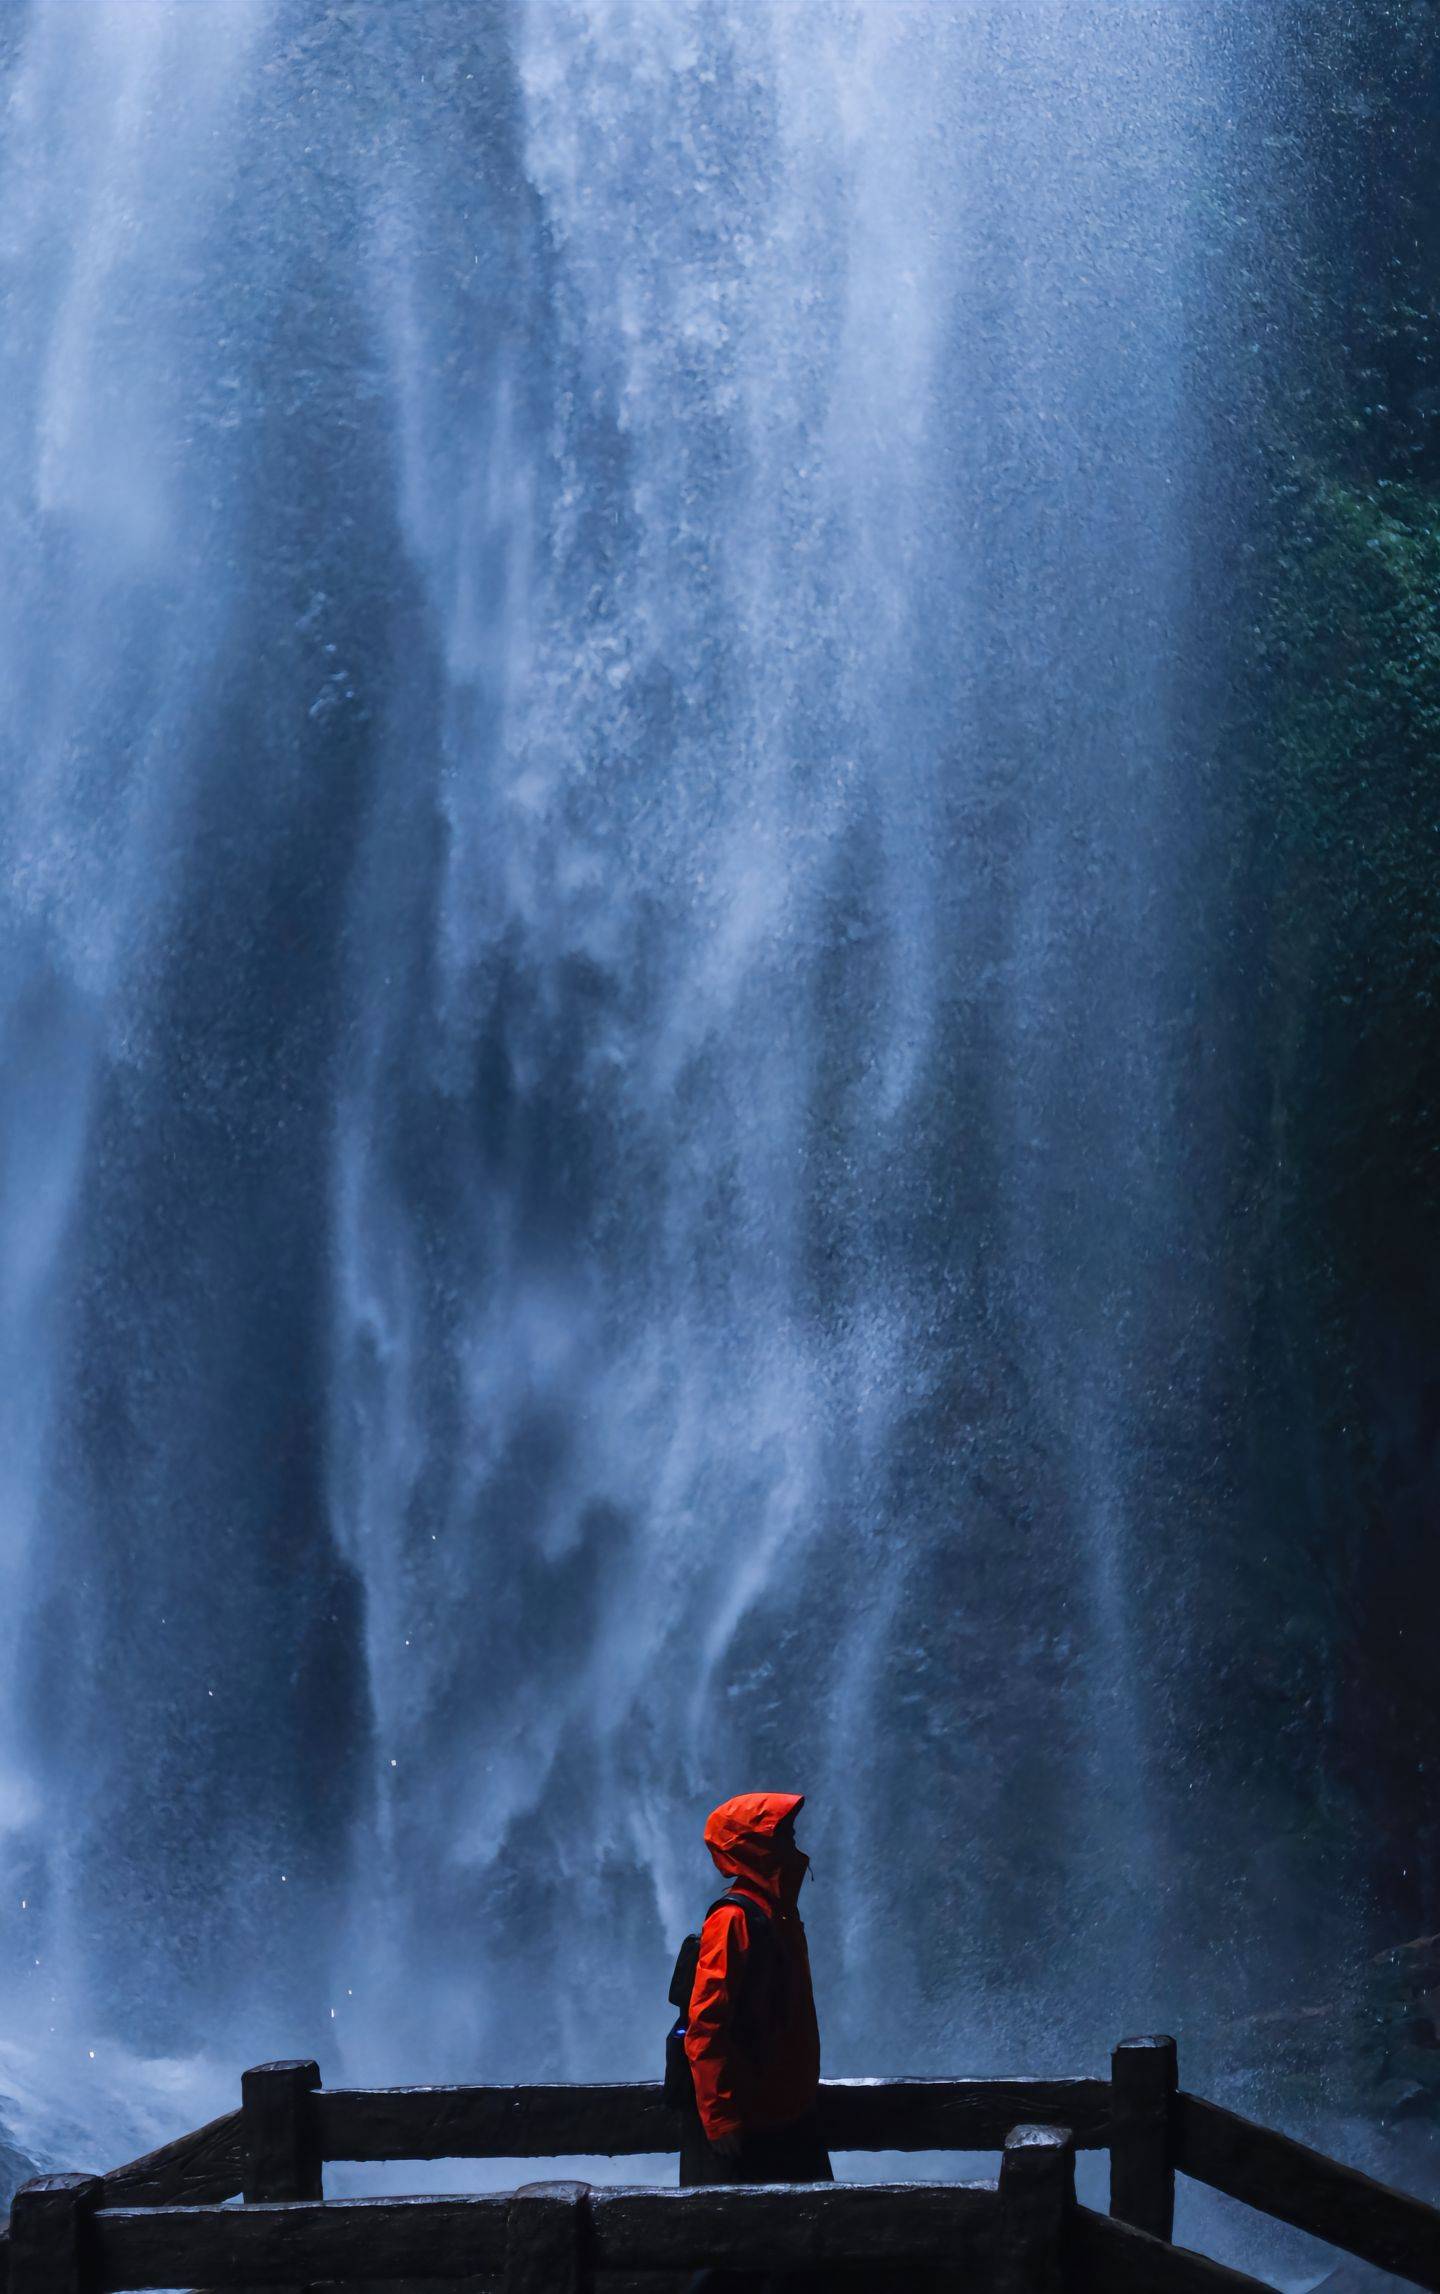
(752,1837)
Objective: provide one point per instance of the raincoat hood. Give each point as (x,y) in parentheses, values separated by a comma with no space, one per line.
(740,1835)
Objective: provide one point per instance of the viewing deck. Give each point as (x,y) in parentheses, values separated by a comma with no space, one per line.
(167,2220)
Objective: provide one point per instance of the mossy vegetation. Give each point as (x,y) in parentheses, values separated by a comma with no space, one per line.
(1352,662)
(1343,774)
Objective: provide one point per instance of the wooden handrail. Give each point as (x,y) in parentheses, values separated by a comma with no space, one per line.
(1024,2236)
(1286,2179)
(162,2213)
(627,2229)
(376,2123)
(198,2169)
(1111,2257)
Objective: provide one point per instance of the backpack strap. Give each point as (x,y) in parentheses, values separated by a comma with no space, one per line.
(682,1982)
(759,2011)
(742,1903)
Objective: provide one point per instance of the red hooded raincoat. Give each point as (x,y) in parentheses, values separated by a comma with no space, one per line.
(734,2092)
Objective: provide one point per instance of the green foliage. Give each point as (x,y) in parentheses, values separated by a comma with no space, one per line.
(1351,656)
(1341,763)
(1345,746)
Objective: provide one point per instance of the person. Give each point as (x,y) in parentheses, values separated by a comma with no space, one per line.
(751,2036)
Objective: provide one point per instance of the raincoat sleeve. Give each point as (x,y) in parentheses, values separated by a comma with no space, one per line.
(723,1943)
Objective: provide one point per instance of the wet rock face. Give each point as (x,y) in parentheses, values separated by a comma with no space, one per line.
(1370,2051)
(1352,2277)
(1405,1992)
(16,2166)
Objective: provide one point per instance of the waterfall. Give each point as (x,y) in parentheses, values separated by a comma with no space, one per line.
(608,904)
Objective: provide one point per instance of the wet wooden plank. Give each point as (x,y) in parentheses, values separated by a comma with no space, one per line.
(796,2226)
(198,2169)
(467,2238)
(376,2123)
(1107,2256)
(959,2114)
(1303,2187)
(302,2241)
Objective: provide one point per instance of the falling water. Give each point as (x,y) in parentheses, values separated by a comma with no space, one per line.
(607,911)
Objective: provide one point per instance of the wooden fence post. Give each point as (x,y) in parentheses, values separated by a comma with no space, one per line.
(1144,2078)
(547,2239)
(50,2234)
(1037,2198)
(279,2138)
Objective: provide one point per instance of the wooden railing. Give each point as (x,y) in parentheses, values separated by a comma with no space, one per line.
(162,2221)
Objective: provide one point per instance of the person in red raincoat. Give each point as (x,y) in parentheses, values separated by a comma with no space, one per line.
(751,2035)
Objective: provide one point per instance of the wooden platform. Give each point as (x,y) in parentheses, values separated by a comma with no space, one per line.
(163,2221)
